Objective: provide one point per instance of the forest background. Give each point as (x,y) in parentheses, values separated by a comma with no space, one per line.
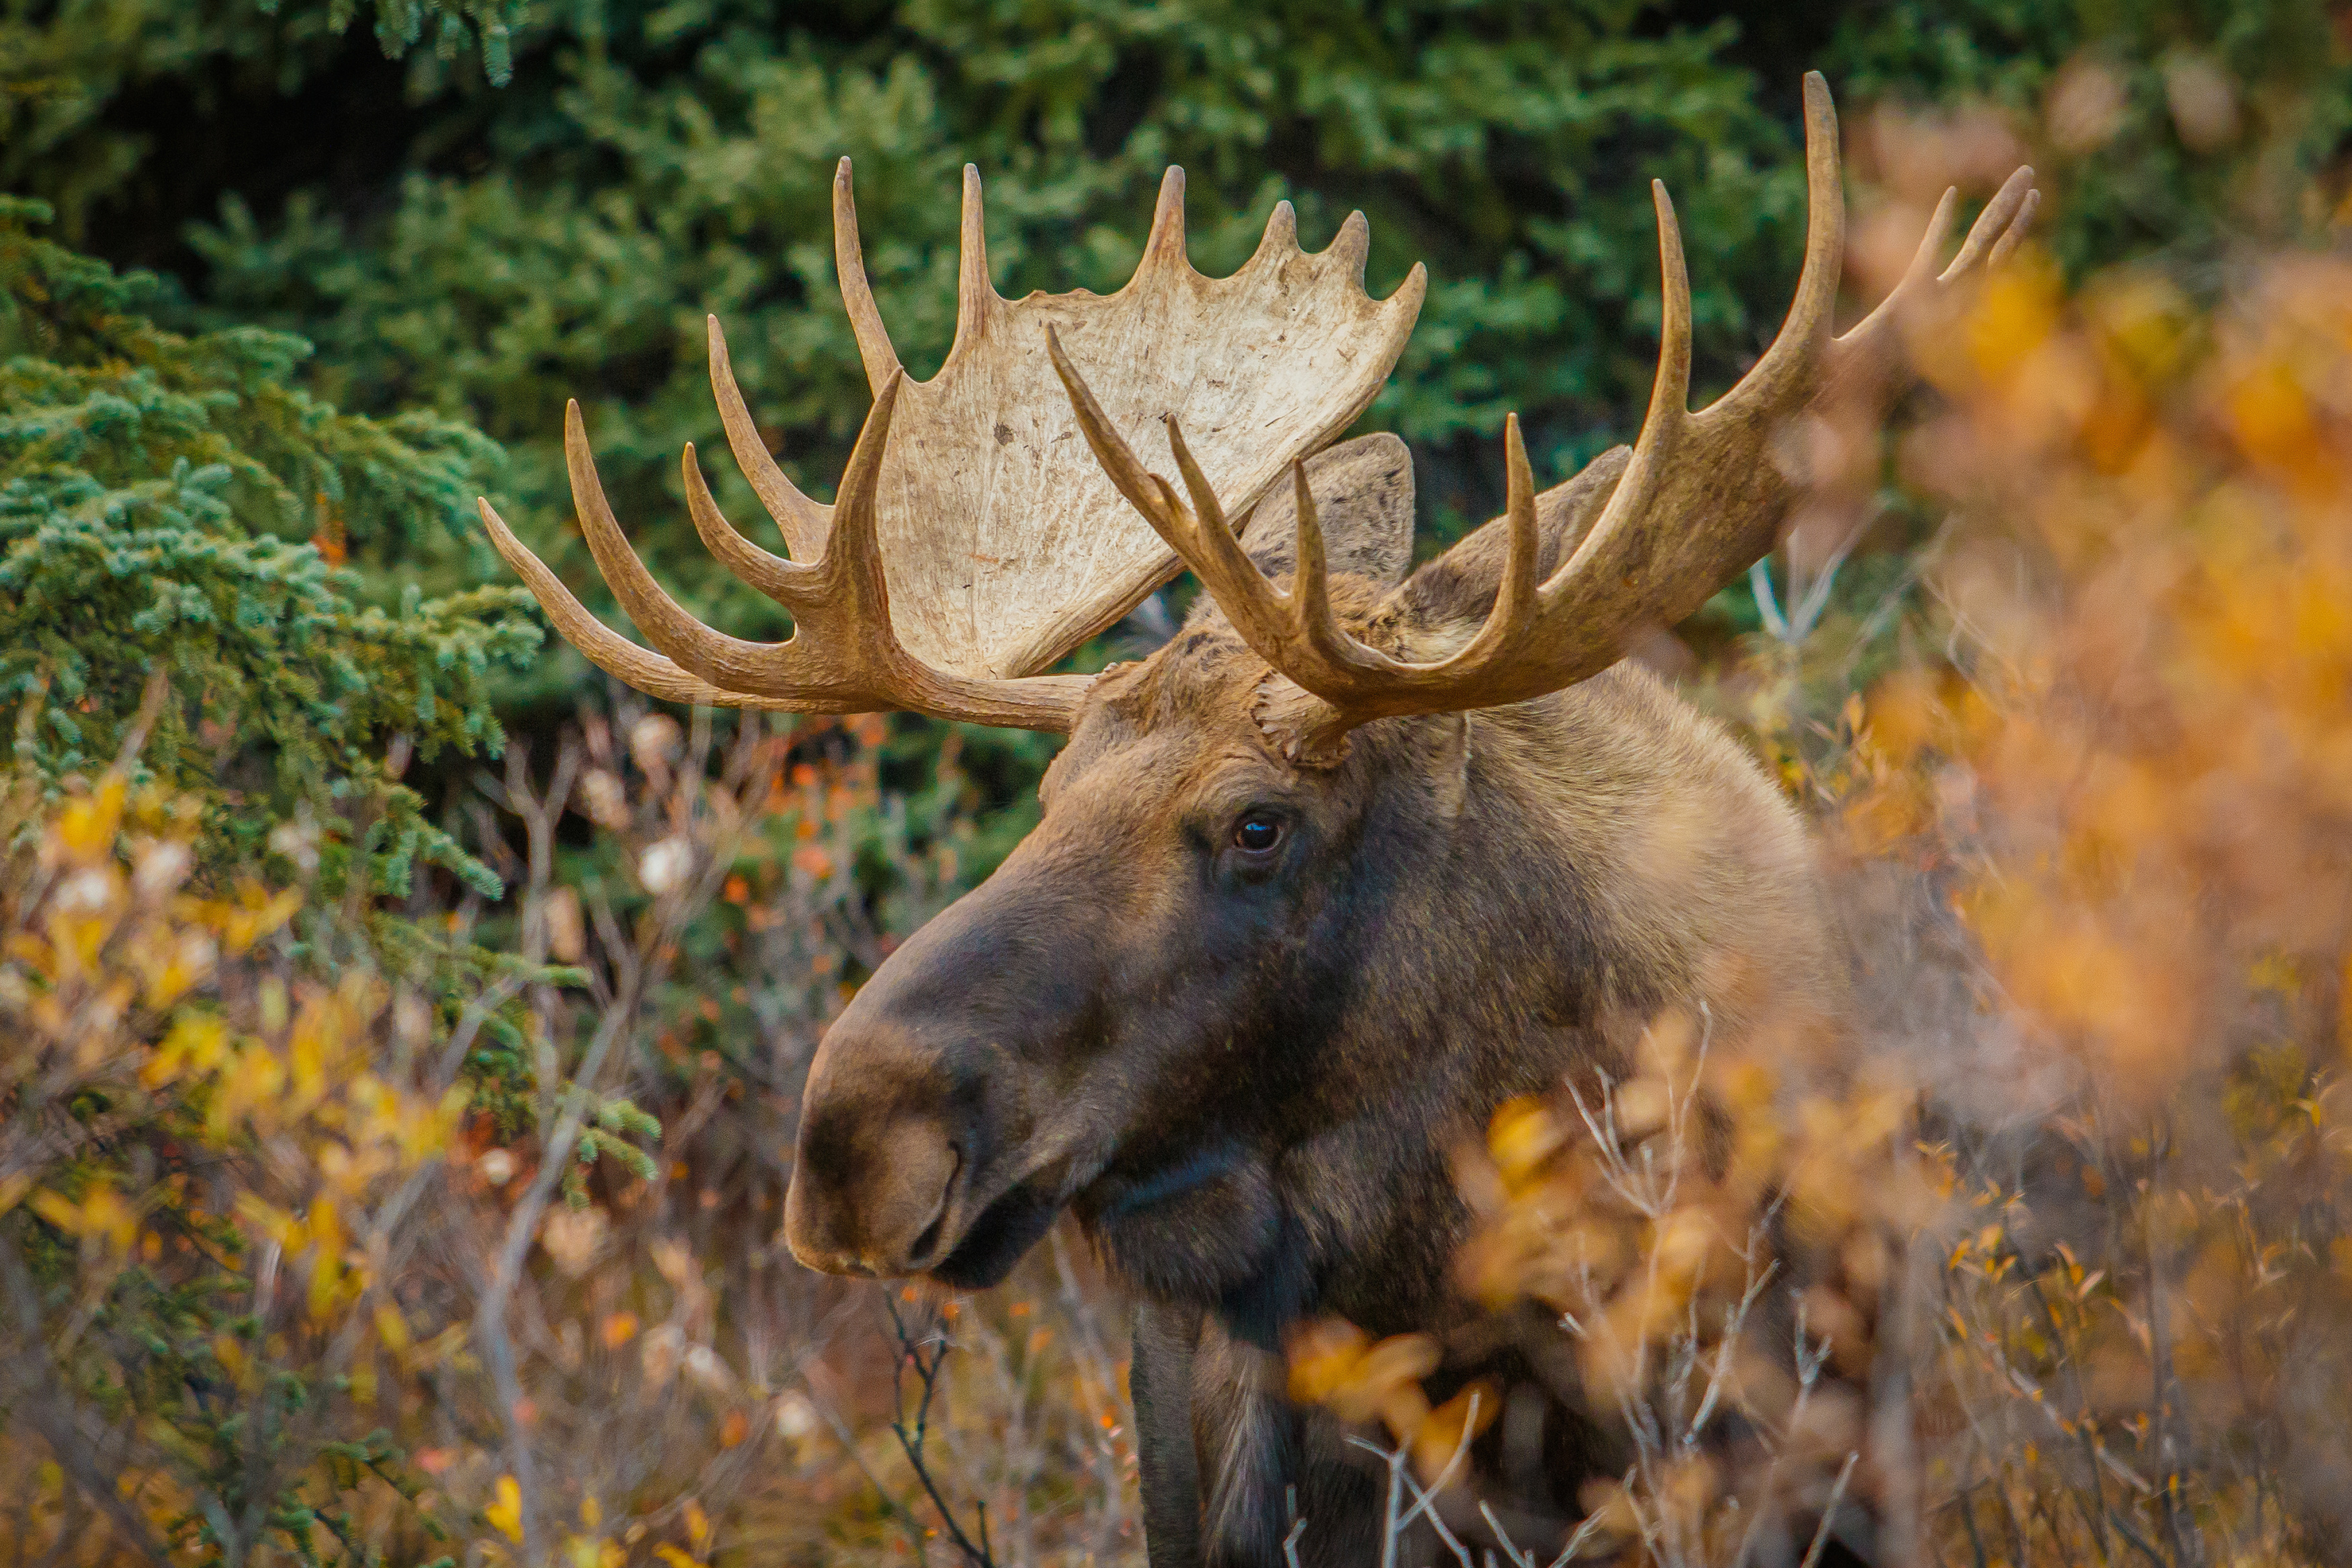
(404,1023)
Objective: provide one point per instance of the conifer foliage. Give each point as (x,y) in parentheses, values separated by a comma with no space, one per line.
(179,507)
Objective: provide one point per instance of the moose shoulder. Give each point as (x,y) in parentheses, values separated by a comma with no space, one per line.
(1355,857)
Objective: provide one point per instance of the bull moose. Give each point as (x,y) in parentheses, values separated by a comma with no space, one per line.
(1361,853)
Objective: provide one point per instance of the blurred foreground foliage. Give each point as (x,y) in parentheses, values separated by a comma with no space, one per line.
(429,1208)
(2098,1306)
(296,1263)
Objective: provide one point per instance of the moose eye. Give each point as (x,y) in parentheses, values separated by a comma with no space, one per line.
(1257,833)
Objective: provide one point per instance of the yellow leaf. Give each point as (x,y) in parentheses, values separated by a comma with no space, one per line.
(505,1511)
(391,1327)
(270,1220)
(1522,1136)
(325,1275)
(673,1557)
(1323,1359)
(87,826)
(62,1212)
(105,1214)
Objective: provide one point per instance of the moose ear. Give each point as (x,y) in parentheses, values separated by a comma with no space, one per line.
(1363,496)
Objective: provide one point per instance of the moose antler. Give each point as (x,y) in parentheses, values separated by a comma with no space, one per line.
(1699,499)
(988,546)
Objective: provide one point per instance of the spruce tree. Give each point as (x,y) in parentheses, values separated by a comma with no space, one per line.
(179,509)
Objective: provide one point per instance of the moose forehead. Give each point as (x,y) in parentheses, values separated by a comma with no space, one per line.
(1181,719)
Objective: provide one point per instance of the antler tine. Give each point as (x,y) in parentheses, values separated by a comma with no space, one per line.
(1280,238)
(975,295)
(726,662)
(1208,513)
(800,520)
(1310,587)
(2002,222)
(1164,246)
(1866,346)
(1520,598)
(788,584)
(1793,355)
(843,656)
(610,652)
(1214,552)
(856,295)
(1664,424)
(2017,227)
(853,557)
(1352,245)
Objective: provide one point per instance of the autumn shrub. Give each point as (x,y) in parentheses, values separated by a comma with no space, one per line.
(213,1175)
(300,1264)
(2062,1266)
(2138,766)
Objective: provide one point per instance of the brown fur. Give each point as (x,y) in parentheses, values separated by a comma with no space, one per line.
(1246,1079)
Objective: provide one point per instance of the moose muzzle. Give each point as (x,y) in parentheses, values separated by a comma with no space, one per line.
(936,1136)
(871,1191)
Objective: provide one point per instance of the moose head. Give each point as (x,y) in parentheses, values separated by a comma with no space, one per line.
(1346,862)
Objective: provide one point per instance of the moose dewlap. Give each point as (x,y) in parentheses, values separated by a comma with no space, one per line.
(1359,855)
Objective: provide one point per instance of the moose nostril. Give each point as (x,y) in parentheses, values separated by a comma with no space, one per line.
(921,1253)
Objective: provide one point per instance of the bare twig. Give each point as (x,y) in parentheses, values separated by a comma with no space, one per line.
(910,1443)
(1828,1513)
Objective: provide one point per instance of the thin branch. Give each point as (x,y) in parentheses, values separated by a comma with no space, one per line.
(1828,1513)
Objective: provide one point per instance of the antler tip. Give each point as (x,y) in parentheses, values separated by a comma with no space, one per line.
(502,538)
(1164,246)
(1821,112)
